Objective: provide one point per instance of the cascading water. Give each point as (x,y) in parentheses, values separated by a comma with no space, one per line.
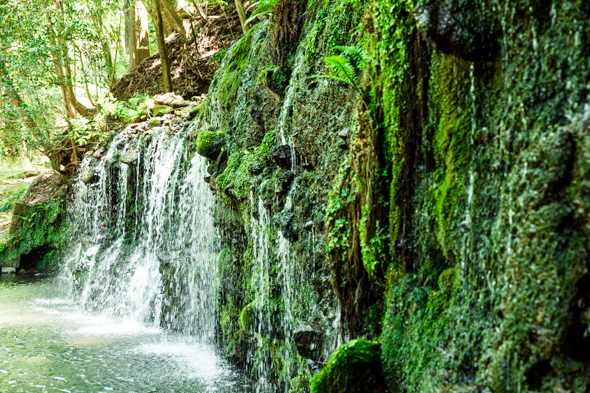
(142,244)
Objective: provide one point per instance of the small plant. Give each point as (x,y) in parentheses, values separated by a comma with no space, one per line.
(84,131)
(261,8)
(346,65)
(218,57)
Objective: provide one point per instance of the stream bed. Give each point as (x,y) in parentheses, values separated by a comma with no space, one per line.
(48,344)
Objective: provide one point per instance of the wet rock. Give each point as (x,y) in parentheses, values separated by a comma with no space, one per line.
(344,134)
(180,103)
(256,167)
(88,175)
(354,367)
(288,226)
(192,111)
(283,181)
(229,190)
(454,30)
(309,343)
(130,157)
(210,144)
(98,153)
(283,156)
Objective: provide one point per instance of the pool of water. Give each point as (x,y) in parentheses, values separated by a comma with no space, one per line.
(48,344)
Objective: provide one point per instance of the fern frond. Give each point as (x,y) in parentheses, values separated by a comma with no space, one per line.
(343,69)
(358,56)
(263,7)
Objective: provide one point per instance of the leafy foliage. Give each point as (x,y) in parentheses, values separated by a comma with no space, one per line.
(261,8)
(346,66)
(123,112)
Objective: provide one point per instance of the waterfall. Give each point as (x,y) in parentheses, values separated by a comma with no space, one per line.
(142,241)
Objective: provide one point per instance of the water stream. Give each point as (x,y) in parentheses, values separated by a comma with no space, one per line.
(48,344)
(134,309)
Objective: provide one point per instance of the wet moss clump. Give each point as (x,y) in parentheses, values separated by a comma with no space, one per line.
(210,143)
(354,367)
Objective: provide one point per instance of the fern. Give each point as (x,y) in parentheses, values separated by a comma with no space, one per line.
(261,8)
(345,66)
(357,56)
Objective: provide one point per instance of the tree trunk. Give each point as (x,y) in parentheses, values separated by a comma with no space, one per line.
(242,15)
(167,79)
(130,33)
(142,28)
(175,20)
(106,50)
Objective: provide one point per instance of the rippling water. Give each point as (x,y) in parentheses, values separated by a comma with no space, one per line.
(48,345)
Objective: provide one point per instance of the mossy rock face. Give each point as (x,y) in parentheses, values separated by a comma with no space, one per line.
(355,367)
(210,143)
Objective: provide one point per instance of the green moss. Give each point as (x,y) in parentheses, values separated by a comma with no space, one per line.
(159,110)
(235,62)
(246,316)
(238,173)
(38,226)
(211,143)
(354,367)
(452,145)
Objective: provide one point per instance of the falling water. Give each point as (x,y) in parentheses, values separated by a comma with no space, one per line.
(142,243)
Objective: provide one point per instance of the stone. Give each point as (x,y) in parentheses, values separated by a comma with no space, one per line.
(87,176)
(450,28)
(167,99)
(309,343)
(282,156)
(344,134)
(193,111)
(8,270)
(129,157)
(179,103)
(159,110)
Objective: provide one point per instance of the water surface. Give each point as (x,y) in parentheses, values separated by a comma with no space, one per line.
(47,344)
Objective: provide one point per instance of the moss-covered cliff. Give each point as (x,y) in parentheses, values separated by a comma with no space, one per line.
(401,194)
(435,195)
